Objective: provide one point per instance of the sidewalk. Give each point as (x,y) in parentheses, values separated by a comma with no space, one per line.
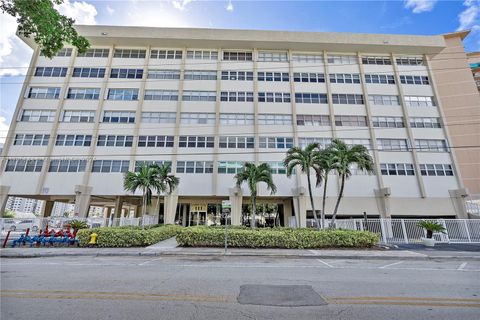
(168,248)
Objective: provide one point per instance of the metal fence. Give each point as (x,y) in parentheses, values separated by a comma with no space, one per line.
(406,231)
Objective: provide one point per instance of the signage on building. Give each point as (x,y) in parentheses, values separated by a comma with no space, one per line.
(198,207)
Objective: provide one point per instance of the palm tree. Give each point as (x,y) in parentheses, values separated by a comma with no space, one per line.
(306,160)
(346,156)
(252,175)
(167,182)
(328,164)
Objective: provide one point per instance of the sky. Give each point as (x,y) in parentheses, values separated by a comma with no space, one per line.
(422,17)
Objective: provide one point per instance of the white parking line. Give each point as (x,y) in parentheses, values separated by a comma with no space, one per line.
(390,265)
(148,261)
(327,264)
(462,266)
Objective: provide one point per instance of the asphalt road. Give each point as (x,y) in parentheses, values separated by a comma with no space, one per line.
(221,288)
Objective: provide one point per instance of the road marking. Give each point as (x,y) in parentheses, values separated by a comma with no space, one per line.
(390,265)
(148,261)
(407,298)
(325,263)
(462,266)
(405,303)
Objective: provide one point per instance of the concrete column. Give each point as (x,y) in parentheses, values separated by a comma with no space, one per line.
(287,212)
(184,216)
(118,207)
(48,208)
(82,200)
(382,196)
(3,198)
(236,197)
(170,208)
(105,216)
(300,206)
(458,200)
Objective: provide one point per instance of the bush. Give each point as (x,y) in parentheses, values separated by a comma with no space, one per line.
(276,238)
(127,236)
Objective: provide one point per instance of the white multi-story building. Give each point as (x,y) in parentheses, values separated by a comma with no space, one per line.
(206,101)
(24,205)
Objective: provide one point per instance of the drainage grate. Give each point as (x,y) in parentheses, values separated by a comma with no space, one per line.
(279,295)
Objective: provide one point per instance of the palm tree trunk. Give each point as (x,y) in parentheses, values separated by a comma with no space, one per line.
(324,200)
(338,201)
(311,201)
(254,211)
(144,206)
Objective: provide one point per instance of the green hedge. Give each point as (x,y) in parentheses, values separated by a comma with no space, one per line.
(276,238)
(127,236)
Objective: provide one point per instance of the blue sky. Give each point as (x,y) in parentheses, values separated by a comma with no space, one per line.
(425,17)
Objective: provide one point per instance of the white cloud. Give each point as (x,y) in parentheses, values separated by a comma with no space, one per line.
(110,10)
(419,6)
(3,129)
(81,11)
(14,54)
(181,4)
(229,6)
(469,18)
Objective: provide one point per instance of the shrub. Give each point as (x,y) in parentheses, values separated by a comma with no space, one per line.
(127,236)
(276,238)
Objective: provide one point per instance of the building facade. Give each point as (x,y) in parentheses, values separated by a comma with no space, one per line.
(206,101)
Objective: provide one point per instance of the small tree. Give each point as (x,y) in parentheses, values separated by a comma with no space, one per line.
(327,162)
(345,157)
(252,175)
(431,227)
(306,160)
(167,182)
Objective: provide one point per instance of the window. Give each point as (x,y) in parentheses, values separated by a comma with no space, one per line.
(313,120)
(339,98)
(436,170)
(31,139)
(197,118)
(265,56)
(351,121)
(392,145)
(129,53)
(118,117)
(199,96)
(277,167)
(308,77)
(78,140)
(38,116)
(202,55)
(237,75)
(431,145)
(200,75)
(240,119)
(194,166)
(383,100)
(376,60)
(275,142)
(355,171)
(164,74)
(364,142)
(419,101)
(196,142)
(21,165)
(67,166)
(420,122)
(311,98)
(83,93)
(275,119)
(305,141)
(78,116)
(344,78)
(64,52)
(273,76)
(234,142)
(233,96)
(44,92)
(388,122)
(310,58)
(423,80)
(107,166)
(379,79)
(237,56)
(126,73)
(166,54)
(164,95)
(397,169)
(95,53)
(122,94)
(155,141)
(88,72)
(409,61)
(342,60)
(273,97)
(230,167)
(50,72)
(114,141)
(159,117)
(156,162)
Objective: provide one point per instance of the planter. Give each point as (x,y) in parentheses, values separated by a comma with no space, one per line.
(428,242)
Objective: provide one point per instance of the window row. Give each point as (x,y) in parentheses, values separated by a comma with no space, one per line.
(31,139)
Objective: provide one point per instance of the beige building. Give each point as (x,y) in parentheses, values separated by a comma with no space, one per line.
(205,101)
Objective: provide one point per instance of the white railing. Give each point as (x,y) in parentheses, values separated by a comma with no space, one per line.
(406,231)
